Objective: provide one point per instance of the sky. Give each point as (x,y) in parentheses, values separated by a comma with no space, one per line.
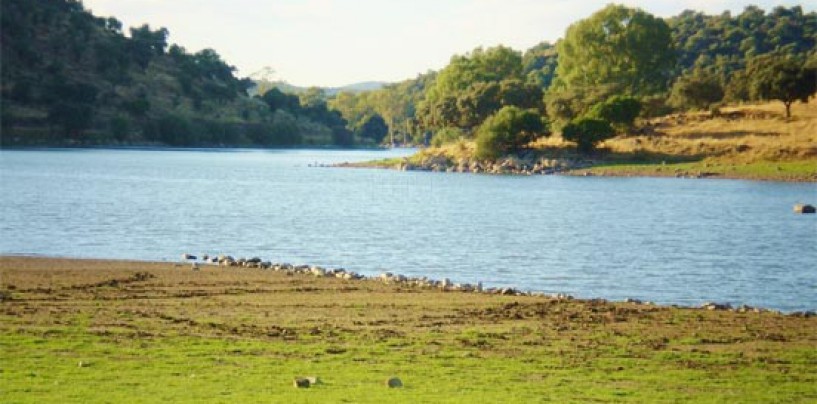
(331,43)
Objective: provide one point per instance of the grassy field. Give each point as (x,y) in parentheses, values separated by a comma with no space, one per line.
(102,331)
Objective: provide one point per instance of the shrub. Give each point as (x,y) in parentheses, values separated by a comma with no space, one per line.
(587,132)
(508,130)
(619,110)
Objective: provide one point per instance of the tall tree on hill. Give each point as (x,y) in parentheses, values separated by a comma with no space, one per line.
(783,78)
(617,45)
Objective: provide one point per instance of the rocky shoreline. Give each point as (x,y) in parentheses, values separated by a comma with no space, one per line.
(511,165)
(531,164)
(444,285)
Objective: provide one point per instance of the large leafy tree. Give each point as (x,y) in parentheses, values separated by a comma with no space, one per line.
(467,90)
(700,89)
(783,78)
(374,128)
(617,45)
(480,65)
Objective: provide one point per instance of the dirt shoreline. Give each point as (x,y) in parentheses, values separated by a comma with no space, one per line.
(418,284)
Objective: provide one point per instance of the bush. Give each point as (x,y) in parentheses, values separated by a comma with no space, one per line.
(587,132)
(619,110)
(446,135)
(699,90)
(509,130)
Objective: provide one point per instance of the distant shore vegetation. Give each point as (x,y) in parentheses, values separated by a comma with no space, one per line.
(72,78)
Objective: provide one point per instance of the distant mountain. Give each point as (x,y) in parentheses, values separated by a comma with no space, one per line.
(358,87)
(267,78)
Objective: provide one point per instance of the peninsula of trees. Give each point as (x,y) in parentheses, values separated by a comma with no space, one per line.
(70,77)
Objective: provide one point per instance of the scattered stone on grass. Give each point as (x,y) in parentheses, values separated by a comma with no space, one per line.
(301,383)
(394,383)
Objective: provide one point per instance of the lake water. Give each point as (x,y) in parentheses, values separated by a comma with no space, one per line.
(666,240)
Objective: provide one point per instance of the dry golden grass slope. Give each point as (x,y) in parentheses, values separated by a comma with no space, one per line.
(739,134)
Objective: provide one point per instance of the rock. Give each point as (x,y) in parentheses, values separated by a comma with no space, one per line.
(301,383)
(804,208)
(394,382)
(716,306)
(313,380)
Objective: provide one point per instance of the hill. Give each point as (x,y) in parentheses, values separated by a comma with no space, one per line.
(72,78)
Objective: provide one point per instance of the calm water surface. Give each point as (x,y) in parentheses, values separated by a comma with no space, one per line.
(665,240)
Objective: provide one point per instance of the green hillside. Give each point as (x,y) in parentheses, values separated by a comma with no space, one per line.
(72,78)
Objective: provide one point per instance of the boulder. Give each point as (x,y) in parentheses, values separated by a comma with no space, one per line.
(301,383)
(804,208)
(394,382)
(716,306)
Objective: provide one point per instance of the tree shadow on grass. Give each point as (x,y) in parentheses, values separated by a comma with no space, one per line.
(725,135)
(606,156)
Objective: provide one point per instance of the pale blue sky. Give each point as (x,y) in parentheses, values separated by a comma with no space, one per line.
(338,42)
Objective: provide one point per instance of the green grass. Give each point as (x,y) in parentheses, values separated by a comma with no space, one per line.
(245,334)
(781,171)
(184,369)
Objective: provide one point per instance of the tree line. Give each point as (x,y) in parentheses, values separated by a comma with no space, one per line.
(71,77)
(617,65)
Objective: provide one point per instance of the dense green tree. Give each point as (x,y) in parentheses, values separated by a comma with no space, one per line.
(780,77)
(509,130)
(699,90)
(724,42)
(374,128)
(480,65)
(146,44)
(277,99)
(72,107)
(617,45)
(619,110)
(539,65)
(587,133)
(464,92)
(476,103)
